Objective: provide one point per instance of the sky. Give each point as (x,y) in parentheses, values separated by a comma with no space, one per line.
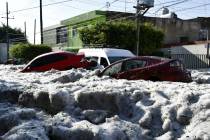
(54,13)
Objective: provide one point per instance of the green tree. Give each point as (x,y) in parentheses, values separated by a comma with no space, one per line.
(15,35)
(123,35)
(27,52)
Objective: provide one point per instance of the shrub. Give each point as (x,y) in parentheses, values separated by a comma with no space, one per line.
(27,52)
(122,34)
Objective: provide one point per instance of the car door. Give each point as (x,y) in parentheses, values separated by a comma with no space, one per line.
(113,70)
(132,69)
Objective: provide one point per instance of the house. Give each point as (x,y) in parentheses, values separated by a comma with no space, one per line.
(65,35)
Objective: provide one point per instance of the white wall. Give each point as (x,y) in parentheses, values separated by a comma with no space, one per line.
(187,49)
(3,52)
(193,56)
(190,49)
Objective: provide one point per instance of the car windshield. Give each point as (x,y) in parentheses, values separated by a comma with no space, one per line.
(115,58)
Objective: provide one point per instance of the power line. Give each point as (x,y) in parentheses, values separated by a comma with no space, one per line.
(168,2)
(95,2)
(198,6)
(183,1)
(177,3)
(110,3)
(45,5)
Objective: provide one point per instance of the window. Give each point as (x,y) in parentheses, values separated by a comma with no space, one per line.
(61,35)
(183,39)
(104,62)
(93,58)
(74,31)
(116,58)
(133,64)
(203,34)
(114,69)
(47,60)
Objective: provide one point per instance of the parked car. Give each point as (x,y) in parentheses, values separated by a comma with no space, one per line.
(106,56)
(148,68)
(57,60)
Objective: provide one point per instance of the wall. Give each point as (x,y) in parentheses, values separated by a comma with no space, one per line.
(50,36)
(75,41)
(174,29)
(190,49)
(193,56)
(187,49)
(79,22)
(3,52)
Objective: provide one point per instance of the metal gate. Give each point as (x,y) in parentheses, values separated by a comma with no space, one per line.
(193,61)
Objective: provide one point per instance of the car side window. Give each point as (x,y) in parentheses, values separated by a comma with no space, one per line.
(47,60)
(93,58)
(133,64)
(114,69)
(104,62)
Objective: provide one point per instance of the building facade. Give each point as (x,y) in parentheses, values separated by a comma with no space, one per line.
(65,35)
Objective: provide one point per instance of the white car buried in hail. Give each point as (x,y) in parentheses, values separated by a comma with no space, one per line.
(105,56)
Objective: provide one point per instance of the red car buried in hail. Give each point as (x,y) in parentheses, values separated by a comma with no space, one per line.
(148,68)
(57,60)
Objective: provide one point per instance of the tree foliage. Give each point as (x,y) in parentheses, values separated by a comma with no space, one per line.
(27,52)
(15,35)
(123,35)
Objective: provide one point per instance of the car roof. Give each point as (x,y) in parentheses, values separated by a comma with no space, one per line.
(106,52)
(161,59)
(156,58)
(57,52)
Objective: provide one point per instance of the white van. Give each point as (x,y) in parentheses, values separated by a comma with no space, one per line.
(106,56)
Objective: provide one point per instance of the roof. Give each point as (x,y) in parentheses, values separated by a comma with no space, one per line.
(56,52)
(106,52)
(83,17)
(53,27)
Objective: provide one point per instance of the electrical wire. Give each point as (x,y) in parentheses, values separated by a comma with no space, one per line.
(176,3)
(190,8)
(109,3)
(45,5)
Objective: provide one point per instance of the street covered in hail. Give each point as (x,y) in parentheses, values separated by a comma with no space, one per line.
(77,105)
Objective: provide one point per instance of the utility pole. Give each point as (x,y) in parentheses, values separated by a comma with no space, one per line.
(7,30)
(142,6)
(107,5)
(34,31)
(25,29)
(137,28)
(41,22)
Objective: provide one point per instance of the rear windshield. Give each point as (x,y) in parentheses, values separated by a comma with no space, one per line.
(114,59)
(48,59)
